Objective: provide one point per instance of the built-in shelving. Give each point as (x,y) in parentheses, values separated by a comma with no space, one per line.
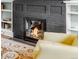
(6,17)
(72,16)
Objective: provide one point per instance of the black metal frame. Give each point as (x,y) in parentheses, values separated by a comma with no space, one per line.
(27,38)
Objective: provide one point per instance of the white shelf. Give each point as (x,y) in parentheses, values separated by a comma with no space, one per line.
(7,22)
(72,12)
(6,10)
(8,30)
(8,1)
(71,2)
(73,29)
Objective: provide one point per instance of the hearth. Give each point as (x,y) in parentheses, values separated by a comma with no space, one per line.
(34,28)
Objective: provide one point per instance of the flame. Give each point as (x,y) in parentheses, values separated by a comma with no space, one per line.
(36,33)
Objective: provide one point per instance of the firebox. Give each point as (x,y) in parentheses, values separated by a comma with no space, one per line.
(34,28)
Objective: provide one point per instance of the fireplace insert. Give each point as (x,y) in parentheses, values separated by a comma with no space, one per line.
(34,28)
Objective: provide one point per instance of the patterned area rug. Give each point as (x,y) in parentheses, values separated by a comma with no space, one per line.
(11,49)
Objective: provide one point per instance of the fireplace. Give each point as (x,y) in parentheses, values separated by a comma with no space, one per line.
(34,28)
(47,15)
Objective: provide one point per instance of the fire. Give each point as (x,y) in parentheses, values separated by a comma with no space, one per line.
(37,33)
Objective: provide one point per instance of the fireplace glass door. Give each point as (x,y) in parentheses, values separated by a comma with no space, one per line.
(35,28)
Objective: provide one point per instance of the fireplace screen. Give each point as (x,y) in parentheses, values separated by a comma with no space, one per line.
(35,28)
